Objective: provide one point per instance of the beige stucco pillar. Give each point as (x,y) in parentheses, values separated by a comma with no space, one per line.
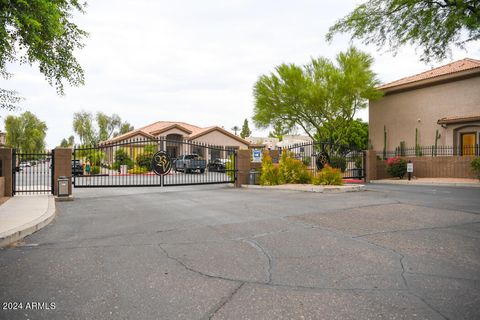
(243,167)
(371,166)
(63,167)
(7,174)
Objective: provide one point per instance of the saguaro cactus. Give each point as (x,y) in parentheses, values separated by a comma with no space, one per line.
(384,142)
(437,137)
(418,152)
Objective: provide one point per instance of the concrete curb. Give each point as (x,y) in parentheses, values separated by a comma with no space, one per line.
(310,188)
(426,183)
(20,232)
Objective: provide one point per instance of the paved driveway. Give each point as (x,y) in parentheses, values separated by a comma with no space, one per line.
(393,252)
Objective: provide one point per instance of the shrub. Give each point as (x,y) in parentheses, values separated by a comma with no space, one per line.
(122,158)
(144,160)
(95,170)
(476,166)
(328,176)
(138,170)
(270,175)
(397,167)
(230,167)
(293,170)
(338,162)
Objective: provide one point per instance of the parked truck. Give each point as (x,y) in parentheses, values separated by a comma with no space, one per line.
(190,162)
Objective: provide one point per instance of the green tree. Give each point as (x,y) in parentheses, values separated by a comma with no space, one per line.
(278,131)
(124,128)
(67,143)
(356,137)
(107,125)
(83,127)
(235,129)
(433,26)
(40,32)
(26,133)
(316,96)
(246,132)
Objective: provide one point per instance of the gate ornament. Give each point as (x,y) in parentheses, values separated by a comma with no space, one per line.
(322,160)
(161,163)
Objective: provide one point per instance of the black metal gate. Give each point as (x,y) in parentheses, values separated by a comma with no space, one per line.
(32,172)
(315,155)
(132,163)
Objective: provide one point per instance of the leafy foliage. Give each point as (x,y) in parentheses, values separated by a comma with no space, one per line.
(397,167)
(122,158)
(26,133)
(328,176)
(433,26)
(138,170)
(106,127)
(356,138)
(95,170)
(246,132)
(279,131)
(270,175)
(293,170)
(67,143)
(476,166)
(39,31)
(144,160)
(318,95)
(338,162)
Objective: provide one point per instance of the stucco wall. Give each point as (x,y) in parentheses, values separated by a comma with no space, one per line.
(217,138)
(402,112)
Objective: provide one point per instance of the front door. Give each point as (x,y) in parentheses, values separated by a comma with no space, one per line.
(469,140)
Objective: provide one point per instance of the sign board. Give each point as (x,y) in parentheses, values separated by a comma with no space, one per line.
(410,167)
(161,163)
(257,155)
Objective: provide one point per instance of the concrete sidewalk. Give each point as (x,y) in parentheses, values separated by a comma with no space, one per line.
(21,216)
(450,182)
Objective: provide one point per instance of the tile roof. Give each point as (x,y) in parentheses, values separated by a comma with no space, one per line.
(451,68)
(458,119)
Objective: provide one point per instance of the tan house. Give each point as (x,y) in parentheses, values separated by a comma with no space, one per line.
(179,138)
(446,99)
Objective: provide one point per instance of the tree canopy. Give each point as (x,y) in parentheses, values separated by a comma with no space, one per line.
(26,133)
(357,137)
(40,31)
(246,132)
(318,96)
(433,26)
(105,128)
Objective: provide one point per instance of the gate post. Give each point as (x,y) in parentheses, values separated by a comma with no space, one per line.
(6,159)
(62,160)
(243,167)
(371,166)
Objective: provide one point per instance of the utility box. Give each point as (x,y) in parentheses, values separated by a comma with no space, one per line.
(254,177)
(63,184)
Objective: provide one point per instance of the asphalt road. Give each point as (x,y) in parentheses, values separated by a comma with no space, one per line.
(393,252)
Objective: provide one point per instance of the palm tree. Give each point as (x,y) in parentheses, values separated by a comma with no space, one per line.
(236,129)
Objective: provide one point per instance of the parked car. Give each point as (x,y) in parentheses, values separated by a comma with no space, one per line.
(218,165)
(190,162)
(77,168)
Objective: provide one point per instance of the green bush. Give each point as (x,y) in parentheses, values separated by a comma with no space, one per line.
(144,160)
(338,162)
(138,170)
(95,170)
(397,167)
(328,176)
(270,175)
(476,166)
(307,161)
(122,158)
(293,170)
(230,167)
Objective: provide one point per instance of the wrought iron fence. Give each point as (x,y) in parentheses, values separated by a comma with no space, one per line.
(315,155)
(129,163)
(431,151)
(32,172)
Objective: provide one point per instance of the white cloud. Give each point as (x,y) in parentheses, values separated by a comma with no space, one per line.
(192,61)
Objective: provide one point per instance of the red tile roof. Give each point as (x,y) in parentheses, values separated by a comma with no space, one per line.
(451,68)
(459,119)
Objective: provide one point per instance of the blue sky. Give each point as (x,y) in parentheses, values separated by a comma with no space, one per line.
(193,61)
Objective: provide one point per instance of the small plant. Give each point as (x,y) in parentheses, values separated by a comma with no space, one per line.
(328,176)
(293,170)
(476,166)
(338,162)
(138,170)
(122,158)
(95,170)
(307,161)
(144,160)
(397,167)
(230,167)
(270,175)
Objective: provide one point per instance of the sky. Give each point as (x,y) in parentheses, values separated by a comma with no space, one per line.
(194,61)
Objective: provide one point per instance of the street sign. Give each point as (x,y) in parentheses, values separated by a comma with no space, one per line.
(257,155)
(410,167)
